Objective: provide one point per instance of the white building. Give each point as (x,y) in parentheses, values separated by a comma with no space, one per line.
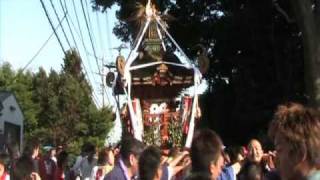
(11,122)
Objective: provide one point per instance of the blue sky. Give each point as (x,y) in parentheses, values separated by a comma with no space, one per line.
(24,28)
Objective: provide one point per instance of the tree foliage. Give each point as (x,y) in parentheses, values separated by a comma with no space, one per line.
(21,84)
(307,15)
(58,107)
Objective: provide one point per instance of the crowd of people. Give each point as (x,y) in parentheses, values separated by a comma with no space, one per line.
(294,130)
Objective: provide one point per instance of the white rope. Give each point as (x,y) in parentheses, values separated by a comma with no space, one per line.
(127,75)
(197,79)
(182,59)
(174,42)
(191,124)
(139,117)
(134,121)
(130,59)
(156,63)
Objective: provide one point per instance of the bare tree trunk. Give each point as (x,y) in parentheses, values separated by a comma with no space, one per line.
(307,16)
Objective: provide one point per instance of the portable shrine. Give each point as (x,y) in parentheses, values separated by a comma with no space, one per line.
(153,78)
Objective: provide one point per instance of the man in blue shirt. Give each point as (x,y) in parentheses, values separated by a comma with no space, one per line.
(127,166)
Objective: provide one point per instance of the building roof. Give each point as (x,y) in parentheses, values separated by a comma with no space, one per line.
(4,95)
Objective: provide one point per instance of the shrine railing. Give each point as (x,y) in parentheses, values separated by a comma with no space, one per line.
(163,118)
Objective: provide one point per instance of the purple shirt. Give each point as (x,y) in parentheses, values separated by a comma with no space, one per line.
(165,172)
(227,174)
(119,172)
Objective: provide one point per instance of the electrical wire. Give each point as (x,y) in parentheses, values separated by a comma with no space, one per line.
(88,25)
(51,24)
(91,38)
(65,9)
(80,34)
(43,45)
(64,33)
(108,32)
(102,46)
(60,43)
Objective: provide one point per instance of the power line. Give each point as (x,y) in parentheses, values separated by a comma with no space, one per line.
(91,39)
(108,36)
(102,47)
(38,52)
(54,30)
(101,40)
(92,55)
(74,27)
(109,44)
(108,33)
(71,32)
(64,33)
(100,34)
(44,44)
(70,29)
(94,98)
(64,11)
(81,35)
(48,17)
(88,25)
(82,39)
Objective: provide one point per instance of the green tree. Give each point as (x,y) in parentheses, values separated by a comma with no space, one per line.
(81,119)
(40,96)
(307,15)
(6,76)
(20,83)
(58,107)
